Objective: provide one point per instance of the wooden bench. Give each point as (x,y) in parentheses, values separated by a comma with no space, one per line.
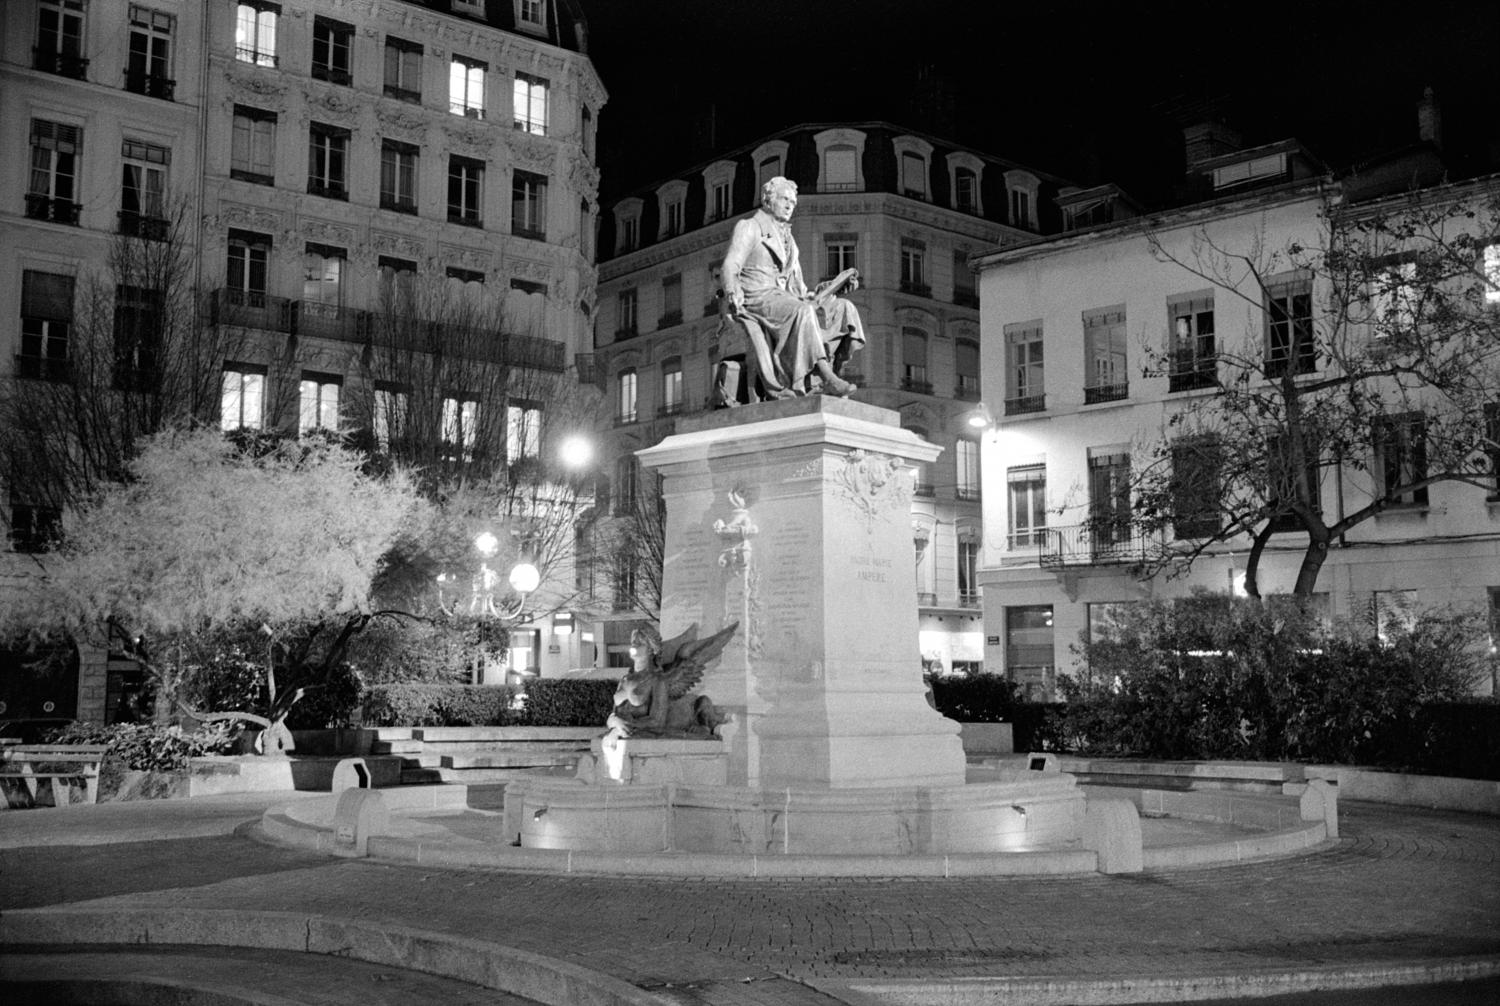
(58,764)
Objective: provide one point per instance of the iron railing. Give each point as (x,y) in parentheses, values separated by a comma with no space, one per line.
(1099,543)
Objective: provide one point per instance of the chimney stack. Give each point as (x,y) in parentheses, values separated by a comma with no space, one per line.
(1208,139)
(1430,119)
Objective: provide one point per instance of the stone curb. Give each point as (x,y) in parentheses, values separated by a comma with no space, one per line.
(489,965)
(1184,988)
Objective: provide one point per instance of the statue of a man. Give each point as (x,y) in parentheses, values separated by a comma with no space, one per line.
(763,285)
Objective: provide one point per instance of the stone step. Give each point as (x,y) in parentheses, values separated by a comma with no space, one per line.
(428,776)
(395,747)
(486,735)
(508,759)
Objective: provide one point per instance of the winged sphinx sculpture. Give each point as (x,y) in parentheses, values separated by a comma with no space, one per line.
(653,701)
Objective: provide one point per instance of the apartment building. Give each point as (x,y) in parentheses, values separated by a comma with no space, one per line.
(906,209)
(346,175)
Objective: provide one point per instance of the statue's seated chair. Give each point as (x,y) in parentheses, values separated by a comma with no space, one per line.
(750,376)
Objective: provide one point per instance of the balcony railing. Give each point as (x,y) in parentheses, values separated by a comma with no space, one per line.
(64,64)
(671,409)
(920,387)
(913,287)
(966,298)
(925,600)
(1191,373)
(58,211)
(669,319)
(41,368)
(1103,543)
(403,94)
(969,599)
(1027,403)
(327,189)
(1105,393)
(140,225)
(966,391)
(626,418)
(152,85)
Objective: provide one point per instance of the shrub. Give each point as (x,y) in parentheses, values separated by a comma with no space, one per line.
(143,747)
(974,698)
(549,702)
(560,702)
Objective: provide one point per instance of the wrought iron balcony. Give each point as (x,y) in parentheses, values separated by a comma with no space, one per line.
(58,211)
(1027,403)
(913,287)
(1191,373)
(42,368)
(152,85)
(915,385)
(1105,393)
(64,64)
(966,298)
(1098,543)
(141,225)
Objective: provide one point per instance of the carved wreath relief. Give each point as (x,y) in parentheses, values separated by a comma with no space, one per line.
(872,484)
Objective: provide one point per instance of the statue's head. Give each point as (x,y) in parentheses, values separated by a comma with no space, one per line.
(778,197)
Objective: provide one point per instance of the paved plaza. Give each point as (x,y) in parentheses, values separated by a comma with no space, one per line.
(1411,894)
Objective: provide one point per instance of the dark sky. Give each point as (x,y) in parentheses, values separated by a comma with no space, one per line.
(1089,91)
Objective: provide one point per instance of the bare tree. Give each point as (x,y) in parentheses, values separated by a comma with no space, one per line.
(630,548)
(1373,377)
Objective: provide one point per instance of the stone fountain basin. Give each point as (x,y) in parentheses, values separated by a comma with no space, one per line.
(1026,812)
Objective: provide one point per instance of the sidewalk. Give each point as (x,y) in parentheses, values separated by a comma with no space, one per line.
(1406,895)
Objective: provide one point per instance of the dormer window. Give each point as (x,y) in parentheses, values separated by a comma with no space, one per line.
(671,200)
(718,188)
(1250,172)
(964,174)
(627,225)
(531,15)
(770,161)
(913,158)
(841,155)
(1021,197)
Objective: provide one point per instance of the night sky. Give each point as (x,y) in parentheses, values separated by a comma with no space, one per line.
(1091,92)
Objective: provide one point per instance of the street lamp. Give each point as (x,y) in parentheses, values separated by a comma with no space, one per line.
(524,579)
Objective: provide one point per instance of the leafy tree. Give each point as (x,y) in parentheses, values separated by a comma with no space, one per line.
(1375,377)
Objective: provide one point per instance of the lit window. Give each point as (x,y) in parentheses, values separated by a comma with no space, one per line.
(528,205)
(967,457)
(148,68)
(1194,359)
(1401,458)
(323,280)
(1393,297)
(1027,491)
(328,161)
(840,169)
(840,250)
(403,70)
(242,397)
(398,176)
(626,402)
(252,150)
(466,87)
(1289,329)
(46,320)
(53,180)
(59,38)
(460,427)
(1105,379)
(523,430)
(318,402)
(1024,371)
(255,32)
(332,44)
(671,386)
(530,101)
(465,190)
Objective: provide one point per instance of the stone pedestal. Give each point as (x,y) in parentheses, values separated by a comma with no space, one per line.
(794,519)
(634,761)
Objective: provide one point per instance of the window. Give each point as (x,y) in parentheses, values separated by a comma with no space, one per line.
(465,190)
(967,457)
(529,98)
(252,150)
(473,8)
(913,175)
(1023,369)
(841,252)
(627,484)
(1395,612)
(968,572)
(255,32)
(460,428)
(1393,300)
(1194,358)
(1289,332)
(139,316)
(398,176)
(1109,499)
(467,280)
(523,430)
(1282,479)
(1020,208)
(965,190)
(630,231)
(466,87)
(671,221)
(1196,487)
(328,161)
(1029,658)
(586,131)
(624,588)
(148,65)
(33,528)
(323,280)
(398,282)
(914,267)
(1027,489)
(53,180)
(767,169)
(914,361)
(1401,457)
(528,205)
(625,397)
(921,470)
(59,38)
(46,321)
(671,386)
(1491,267)
(242,397)
(403,70)
(966,363)
(719,202)
(143,211)
(625,325)
(333,41)
(531,14)
(965,293)
(245,275)
(318,401)
(671,301)
(388,424)
(1105,380)
(840,169)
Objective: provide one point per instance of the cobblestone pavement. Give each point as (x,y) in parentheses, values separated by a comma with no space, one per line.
(1402,886)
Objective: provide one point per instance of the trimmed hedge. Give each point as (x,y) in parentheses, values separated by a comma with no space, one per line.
(974,698)
(545,702)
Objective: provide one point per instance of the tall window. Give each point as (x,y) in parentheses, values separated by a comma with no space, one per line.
(1020,209)
(323,280)
(403,69)
(252,150)
(328,161)
(1105,379)
(966,454)
(389,421)
(671,301)
(59,38)
(531,14)
(398,176)
(965,190)
(840,169)
(465,190)
(767,169)
(841,252)
(1401,454)
(1289,329)
(242,397)
(914,361)
(720,200)
(255,32)
(914,175)
(46,321)
(625,411)
(1491,268)
(333,43)
(148,66)
(914,267)
(1023,369)
(460,427)
(625,325)
(672,218)
(1393,300)
(140,313)
(466,87)
(1282,482)
(964,290)
(528,205)
(921,470)
(1196,486)
(1109,499)
(1030,660)
(968,571)
(1027,490)
(1194,358)
(523,430)
(627,484)
(398,284)
(966,363)
(529,100)
(52,184)
(143,211)
(318,401)
(245,276)
(671,386)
